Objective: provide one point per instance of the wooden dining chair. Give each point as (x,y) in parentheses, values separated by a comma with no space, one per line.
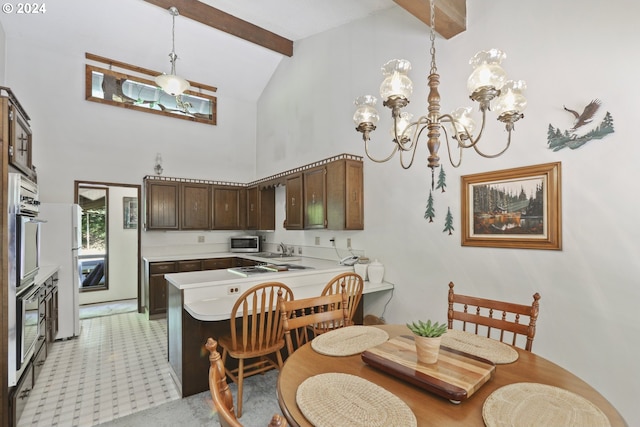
(256,333)
(221,395)
(303,316)
(486,315)
(353,285)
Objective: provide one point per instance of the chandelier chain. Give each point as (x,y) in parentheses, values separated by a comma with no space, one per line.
(432,37)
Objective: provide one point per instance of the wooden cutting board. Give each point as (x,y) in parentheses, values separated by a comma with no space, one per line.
(455,376)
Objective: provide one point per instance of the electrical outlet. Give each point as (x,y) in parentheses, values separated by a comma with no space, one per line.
(200,239)
(317,241)
(348,242)
(232,290)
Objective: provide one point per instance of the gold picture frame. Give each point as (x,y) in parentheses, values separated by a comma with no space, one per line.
(518,208)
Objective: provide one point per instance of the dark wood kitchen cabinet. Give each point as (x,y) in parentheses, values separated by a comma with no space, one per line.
(162,203)
(51,310)
(345,199)
(228,204)
(156,287)
(195,206)
(294,202)
(332,197)
(315,202)
(261,208)
(218,263)
(17,131)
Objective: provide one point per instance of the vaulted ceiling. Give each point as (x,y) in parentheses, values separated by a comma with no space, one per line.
(234,45)
(260,22)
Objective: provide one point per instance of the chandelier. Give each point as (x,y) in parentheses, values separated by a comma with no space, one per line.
(487,82)
(171,83)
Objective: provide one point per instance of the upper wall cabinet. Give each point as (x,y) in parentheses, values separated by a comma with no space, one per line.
(162,205)
(315,202)
(15,129)
(294,204)
(332,195)
(345,200)
(229,208)
(195,206)
(323,195)
(261,208)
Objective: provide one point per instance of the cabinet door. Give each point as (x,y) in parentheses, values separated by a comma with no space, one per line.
(157,294)
(344,195)
(261,208)
(195,206)
(162,205)
(294,203)
(354,215)
(315,203)
(226,208)
(267,202)
(217,263)
(253,209)
(19,141)
(192,265)
(157,290)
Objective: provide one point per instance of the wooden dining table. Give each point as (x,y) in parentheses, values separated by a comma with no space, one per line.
(430,409)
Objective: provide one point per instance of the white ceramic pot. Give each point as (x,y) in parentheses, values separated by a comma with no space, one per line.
(375,271)
(361,270)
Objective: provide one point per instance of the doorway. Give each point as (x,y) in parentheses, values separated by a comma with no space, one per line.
(110,250)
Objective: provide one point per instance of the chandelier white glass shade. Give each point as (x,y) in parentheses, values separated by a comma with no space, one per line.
(487,82)
(171,83)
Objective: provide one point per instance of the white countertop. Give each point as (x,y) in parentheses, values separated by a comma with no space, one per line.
(219,308)
(196,279)
(206,293)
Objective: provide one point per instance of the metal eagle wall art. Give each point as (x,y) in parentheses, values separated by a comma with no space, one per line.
(584,129)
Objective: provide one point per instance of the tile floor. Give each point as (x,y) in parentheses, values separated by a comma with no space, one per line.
(117,366)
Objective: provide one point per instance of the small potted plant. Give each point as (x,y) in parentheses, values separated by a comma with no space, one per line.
(427,338)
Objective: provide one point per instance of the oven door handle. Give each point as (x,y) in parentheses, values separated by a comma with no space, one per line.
(37,221)
(29,293)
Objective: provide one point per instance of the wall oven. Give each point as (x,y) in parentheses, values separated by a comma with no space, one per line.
(27,323)
(24,262)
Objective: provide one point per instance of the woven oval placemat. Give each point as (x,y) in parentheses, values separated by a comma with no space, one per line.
(532,404)
(348,340)
(480,346)
(338,400)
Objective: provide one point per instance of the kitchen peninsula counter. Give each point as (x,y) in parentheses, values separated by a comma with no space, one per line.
(199,306)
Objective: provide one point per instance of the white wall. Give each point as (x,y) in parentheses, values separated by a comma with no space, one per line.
(590,288)
(74,139)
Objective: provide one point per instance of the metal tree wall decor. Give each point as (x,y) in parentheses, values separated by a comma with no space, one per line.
(430,212)
(448,222)
(584,128)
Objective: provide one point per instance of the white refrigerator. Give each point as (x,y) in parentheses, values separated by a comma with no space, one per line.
(60,242)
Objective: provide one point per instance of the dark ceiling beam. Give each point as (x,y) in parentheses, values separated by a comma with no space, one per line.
(451,15)
(222,21)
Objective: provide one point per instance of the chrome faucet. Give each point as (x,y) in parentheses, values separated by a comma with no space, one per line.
(283,248)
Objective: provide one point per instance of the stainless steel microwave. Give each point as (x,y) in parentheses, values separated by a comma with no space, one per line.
(245,244)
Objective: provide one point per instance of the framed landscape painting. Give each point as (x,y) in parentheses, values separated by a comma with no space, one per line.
(513,208)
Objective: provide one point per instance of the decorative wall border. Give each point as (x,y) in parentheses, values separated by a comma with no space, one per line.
(270,181)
